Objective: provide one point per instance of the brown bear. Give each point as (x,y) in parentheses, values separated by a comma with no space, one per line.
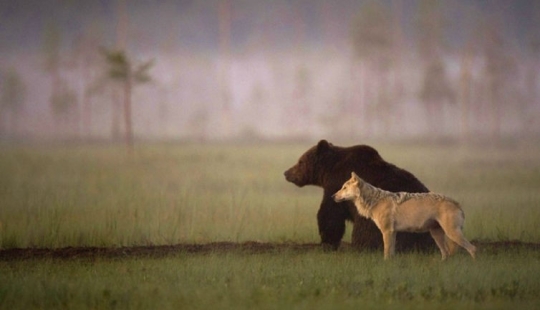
(329,166)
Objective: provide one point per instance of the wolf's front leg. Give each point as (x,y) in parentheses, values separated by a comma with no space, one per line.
(389,239)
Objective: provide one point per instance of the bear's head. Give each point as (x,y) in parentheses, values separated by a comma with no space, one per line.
(310,166)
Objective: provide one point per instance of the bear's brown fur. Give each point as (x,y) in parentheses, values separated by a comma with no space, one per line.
(329,166)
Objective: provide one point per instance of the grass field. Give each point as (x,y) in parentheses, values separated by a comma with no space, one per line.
(276,280)
(163,194)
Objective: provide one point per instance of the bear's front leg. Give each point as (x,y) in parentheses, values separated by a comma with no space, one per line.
(331,219)
(365,234)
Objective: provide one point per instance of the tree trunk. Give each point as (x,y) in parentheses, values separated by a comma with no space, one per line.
(86,115)
(86,103)
(115,121)
(225,19)
(127,113)
(465,93)
(527,118)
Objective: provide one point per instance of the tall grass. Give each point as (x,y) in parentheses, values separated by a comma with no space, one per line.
(315,280)
(166,194)
(87,196)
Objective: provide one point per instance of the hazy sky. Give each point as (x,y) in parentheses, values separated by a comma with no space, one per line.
(195,24)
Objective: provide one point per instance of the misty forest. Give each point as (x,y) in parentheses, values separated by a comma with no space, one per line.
(269,70)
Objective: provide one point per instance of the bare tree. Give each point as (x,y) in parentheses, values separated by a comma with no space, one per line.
(121,69)
(52,40)
(532,102)
(465,89)
(499,73)
(63,101)
(63,98)
(12,98)
(373,45)
(436,89)
(435,92)
(86,59)
(225,20)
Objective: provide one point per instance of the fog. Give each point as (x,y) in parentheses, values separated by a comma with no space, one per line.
(269,70)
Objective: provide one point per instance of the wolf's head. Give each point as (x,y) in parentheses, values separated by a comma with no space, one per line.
(350,189)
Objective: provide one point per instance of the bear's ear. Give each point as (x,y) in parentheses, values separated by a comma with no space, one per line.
(323,146)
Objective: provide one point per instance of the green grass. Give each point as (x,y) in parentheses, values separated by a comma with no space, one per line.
(168,194)
(313,280)
(161,195)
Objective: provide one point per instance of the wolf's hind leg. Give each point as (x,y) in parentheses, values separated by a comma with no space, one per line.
(451,246)
(456,235)
(438,236)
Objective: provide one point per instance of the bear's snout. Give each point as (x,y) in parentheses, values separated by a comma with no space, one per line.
(291,175)
(288,175)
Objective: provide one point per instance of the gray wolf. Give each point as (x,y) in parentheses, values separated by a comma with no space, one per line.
(412,212)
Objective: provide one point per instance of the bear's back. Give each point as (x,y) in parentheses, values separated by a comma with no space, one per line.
(371,167)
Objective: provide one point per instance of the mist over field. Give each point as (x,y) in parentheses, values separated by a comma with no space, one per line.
(185,219)
(237,69)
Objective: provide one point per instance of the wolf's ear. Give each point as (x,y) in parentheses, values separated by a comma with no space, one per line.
(323,146)
(356,177)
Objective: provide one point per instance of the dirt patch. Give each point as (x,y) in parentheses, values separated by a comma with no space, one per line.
(152,251)
(215,247)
